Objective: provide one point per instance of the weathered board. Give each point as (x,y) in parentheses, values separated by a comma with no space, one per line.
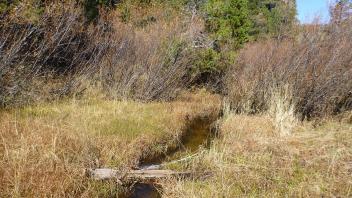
(106,173)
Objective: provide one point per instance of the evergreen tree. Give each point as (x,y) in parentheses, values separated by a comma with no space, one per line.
(272,17)
(228,20)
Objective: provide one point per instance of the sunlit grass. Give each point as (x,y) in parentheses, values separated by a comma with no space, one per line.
(125,119)
(252,159)
(45,148)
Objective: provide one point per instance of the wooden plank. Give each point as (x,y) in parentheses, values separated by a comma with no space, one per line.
(102,173)
(106,173)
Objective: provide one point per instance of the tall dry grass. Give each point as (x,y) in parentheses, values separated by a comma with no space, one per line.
(316,66)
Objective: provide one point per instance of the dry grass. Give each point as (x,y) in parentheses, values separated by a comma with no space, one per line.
(44,148)
(252,159)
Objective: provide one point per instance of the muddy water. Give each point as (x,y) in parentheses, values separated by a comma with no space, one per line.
(143,190)
(199,133)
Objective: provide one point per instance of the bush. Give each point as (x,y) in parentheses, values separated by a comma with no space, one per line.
(206,61)
(317,67)
(208,67)
(61,56)
(57,43)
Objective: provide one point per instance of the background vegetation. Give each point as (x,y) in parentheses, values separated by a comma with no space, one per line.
(143,50)
(315,67)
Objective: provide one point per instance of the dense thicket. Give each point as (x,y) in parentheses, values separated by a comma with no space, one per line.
(311,73)
(60,53)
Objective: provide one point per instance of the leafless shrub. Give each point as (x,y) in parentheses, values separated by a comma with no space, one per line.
(64,51)
(144,65)
(318,67)
(58,45)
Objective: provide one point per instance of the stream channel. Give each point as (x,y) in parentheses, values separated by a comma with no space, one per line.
(199,132)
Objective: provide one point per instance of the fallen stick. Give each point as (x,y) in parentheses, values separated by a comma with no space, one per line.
(160,166)
(180,160)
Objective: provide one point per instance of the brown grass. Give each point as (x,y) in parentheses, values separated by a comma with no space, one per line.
(252,160)
(45,148)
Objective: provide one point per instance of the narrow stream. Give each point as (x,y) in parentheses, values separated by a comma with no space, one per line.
(144,190)
(199,133)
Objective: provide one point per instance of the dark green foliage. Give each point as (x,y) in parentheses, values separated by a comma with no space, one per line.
(235,21)
(206,61)
(271,18)
(6,5)
(228,20)
(228,23)
(91,7)
(31,10)
(125,13)
(208,67)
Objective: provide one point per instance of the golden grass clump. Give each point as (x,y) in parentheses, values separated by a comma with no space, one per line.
(282,110)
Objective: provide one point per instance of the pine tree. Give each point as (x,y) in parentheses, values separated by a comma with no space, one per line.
(274,18)
(228,20)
